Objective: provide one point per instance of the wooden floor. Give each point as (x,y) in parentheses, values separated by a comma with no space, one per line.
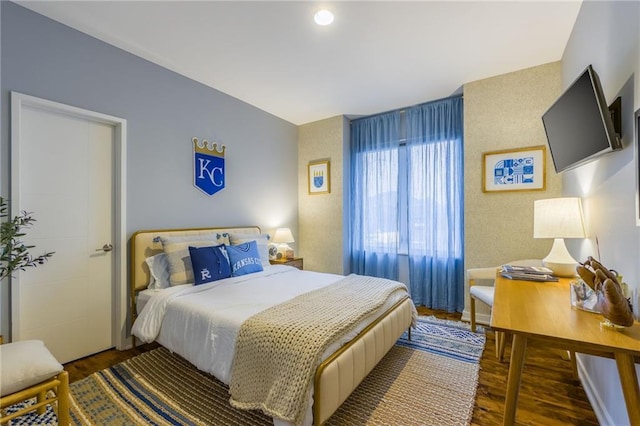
(548,394)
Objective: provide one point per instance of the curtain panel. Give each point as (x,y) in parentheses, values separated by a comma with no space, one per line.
(374,195)
(435,204)
(407,199)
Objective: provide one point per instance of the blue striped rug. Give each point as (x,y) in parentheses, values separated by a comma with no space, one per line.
(160,388)
(452,339)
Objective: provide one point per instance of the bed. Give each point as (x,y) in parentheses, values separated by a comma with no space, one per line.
(344,364)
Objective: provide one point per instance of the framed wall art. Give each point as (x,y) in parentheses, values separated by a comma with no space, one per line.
(319,177)
(520,169)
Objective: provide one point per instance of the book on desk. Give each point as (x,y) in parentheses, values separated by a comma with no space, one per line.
(527,273)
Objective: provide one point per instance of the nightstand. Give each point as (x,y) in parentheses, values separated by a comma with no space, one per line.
(296,262)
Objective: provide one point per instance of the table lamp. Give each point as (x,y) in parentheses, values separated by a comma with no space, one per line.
(282,237)
(559,218)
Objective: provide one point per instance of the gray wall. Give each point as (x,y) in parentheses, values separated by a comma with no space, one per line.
(164,110)
(607,35)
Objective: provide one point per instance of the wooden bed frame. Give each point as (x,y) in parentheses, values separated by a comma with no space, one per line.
(336,377)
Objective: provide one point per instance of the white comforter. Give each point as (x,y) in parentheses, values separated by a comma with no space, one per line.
(201,323)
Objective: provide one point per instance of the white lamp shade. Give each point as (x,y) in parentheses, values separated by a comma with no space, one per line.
(283,235)
(558,218)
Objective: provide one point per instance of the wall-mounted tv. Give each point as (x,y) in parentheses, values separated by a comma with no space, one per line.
(579,125)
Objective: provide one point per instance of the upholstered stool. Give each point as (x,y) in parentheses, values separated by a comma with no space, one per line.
(28,370)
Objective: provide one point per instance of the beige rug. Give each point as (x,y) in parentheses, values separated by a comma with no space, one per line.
(411,387)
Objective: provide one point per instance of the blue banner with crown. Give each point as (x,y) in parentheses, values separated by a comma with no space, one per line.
(208,171)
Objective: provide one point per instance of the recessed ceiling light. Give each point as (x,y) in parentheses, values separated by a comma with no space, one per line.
(323,17)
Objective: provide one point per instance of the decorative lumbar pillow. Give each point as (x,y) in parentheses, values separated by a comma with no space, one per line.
(244,258)
(159,271)
(177,251)
(262,240)
(25,364)
(209,264)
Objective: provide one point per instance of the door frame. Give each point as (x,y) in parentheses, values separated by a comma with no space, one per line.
(120,292)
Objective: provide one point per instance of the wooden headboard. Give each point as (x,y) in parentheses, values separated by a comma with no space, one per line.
(147,243)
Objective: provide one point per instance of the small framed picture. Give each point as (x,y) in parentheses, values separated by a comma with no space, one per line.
(521,169)
(319,176)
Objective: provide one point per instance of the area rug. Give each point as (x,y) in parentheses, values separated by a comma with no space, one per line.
(453,339)
(430,380)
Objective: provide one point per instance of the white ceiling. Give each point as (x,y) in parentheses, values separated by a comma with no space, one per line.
(375,57)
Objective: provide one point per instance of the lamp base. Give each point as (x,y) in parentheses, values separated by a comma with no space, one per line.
(559,260)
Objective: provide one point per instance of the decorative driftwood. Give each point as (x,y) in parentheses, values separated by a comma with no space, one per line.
(611,300)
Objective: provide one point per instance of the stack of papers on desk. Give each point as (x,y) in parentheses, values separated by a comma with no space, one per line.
(527,273)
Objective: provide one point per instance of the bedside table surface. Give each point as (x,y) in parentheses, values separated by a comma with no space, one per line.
(296,262)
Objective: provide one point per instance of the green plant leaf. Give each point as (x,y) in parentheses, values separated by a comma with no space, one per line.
(14,254)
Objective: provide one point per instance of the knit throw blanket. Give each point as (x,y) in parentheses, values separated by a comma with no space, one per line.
(278,349)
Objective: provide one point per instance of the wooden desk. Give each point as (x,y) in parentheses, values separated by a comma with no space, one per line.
(533,310)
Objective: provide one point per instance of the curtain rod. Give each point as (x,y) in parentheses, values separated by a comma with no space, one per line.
(406,108)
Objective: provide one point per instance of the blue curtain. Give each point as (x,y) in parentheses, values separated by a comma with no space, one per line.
(374,195)
(407,199)
(435,204)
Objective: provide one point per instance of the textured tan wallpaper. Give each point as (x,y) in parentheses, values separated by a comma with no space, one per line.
(505,112)
(320,216)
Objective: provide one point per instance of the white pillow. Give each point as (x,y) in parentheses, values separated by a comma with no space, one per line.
(177,251)
(262,241)
(159,272)
(25,364)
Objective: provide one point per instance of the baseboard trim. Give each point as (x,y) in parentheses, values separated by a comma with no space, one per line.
(599,409)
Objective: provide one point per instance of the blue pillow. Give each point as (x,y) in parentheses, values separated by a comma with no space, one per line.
(209,263)
(244,258)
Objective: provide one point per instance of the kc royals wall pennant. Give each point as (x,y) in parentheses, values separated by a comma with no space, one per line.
(208,171)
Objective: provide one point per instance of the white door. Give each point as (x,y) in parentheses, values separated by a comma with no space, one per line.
(65,176)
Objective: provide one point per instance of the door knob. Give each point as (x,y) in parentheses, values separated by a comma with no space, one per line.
(105,248)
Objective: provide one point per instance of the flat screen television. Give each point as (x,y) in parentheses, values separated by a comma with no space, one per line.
(578,125)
